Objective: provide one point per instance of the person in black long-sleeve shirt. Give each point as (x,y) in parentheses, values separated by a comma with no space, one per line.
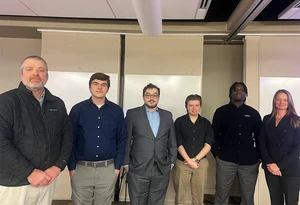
(236,127)
(280,149)
(194,136)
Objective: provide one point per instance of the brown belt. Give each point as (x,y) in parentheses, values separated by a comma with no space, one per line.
(96,164)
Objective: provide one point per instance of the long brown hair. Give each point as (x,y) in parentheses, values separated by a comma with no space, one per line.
(295,122)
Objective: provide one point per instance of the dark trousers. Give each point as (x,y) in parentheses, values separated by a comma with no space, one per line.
(148,190)
(283,189)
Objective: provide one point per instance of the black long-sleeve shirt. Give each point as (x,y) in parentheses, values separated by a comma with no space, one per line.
(193,136)
(236,134)
(281,145)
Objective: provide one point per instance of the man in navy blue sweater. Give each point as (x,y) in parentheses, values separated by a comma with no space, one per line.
(99,145)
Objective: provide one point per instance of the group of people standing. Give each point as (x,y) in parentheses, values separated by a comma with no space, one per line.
(38,140)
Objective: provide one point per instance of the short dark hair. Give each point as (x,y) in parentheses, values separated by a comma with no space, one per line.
(233,86)
(151,86)
(39,58)
(100,76)
(193,97)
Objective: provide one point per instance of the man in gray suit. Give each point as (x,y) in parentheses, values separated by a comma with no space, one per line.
(150,151)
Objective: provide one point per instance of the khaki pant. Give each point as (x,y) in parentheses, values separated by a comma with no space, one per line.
(27,195)
(184,176)
(93,185)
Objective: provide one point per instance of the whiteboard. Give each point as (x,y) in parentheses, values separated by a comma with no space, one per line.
(73,87)
(269,86)
(173,91)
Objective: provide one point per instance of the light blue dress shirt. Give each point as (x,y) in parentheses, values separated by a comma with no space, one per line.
(42,97)
(154,120)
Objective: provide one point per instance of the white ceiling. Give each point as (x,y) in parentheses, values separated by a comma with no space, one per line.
(105,9)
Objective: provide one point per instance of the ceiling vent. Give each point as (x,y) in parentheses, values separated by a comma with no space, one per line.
(204,4)
(291,12)
(202,9)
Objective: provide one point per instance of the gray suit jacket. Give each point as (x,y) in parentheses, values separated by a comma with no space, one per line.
(143,148)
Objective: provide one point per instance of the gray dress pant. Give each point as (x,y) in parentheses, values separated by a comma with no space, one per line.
(225,174)
(148,190)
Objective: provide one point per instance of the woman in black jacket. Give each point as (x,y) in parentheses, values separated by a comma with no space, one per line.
(280,150)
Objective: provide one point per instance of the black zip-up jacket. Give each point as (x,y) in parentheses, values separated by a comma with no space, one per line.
(32,137)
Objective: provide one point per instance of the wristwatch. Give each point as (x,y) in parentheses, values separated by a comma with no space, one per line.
(197,160)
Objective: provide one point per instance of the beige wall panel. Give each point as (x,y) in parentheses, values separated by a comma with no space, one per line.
(81,52)
(279,56)
(12,52)
(222,66)
(171,55)
(251,69)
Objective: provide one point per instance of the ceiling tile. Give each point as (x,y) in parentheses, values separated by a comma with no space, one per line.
(179,9)
(14,7)
(122,10)
(70,8)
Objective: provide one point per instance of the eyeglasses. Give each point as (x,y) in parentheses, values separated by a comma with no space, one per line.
(151,96)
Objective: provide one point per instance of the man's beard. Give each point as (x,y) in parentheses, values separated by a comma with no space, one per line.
(151,106)
(34,86)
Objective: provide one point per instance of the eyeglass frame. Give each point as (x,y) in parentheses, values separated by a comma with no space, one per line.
(149,96)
